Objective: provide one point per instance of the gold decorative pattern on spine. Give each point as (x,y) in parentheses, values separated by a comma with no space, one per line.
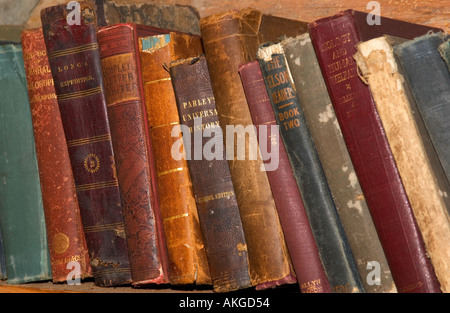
(65,52)
(170,171)
(98,228)
(175,217)
(80,94)
(85,141)
(100,185)
(157,81)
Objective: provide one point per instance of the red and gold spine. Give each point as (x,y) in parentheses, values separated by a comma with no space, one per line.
(133,151)
(65,233)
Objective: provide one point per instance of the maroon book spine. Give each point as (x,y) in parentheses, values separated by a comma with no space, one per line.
(66,241)
(75,65)
(127,115)
(293,217)
(334,39)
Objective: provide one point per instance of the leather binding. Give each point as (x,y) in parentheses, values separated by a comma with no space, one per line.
(124,93)
(429,79)
(291,211)
(66,240)
(187,257)
(232,38)
(326,225)
(367,144)
(22,218)
(217,206)
(336,163)
(376,63)
(75,64)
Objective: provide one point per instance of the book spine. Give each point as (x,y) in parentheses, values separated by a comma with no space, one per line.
(187,257)
(22,218)
(225,43)
(311,181)
(293,217)
(334,41)
(429,78)
(66,241)
(75,64)
(337,165)
(217,206)
(376,62)
(133,154)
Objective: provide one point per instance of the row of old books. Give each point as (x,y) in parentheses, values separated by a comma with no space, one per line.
(121,153)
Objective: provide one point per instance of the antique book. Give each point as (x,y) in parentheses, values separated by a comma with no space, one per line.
(429,79)
(220,222)
(187,257)
(232,38)
(334,39)
(376,63)
(74,60)
(326,225)
(22,219)
(124,93)
(66,239)
(444,50)
(291,210)
(177,17)
(336,163)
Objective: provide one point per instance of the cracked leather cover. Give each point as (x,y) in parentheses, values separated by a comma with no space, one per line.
(75,63)
(65,233)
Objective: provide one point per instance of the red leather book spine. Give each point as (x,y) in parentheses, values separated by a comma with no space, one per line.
(334,41)
(133,151)
(66,241)
(291,211)
(75,64)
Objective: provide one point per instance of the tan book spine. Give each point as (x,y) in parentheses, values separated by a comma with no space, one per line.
(230,39)
(187,257)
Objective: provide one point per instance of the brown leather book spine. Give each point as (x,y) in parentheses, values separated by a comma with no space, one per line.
(214,192)
(230,39)
(187,257)
(293,217)
(127,116)
(65,234)
(75,64)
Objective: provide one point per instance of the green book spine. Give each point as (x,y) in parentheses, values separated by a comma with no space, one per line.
(21,211)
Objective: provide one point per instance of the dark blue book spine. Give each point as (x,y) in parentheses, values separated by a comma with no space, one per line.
(429,79)
(328,231)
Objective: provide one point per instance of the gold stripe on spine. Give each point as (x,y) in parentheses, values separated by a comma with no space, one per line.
(65,52)
(157,81)
(164,125)
(101,185)
(97,228)
(80,94)
(175,217)
(179,169)
(85,141)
